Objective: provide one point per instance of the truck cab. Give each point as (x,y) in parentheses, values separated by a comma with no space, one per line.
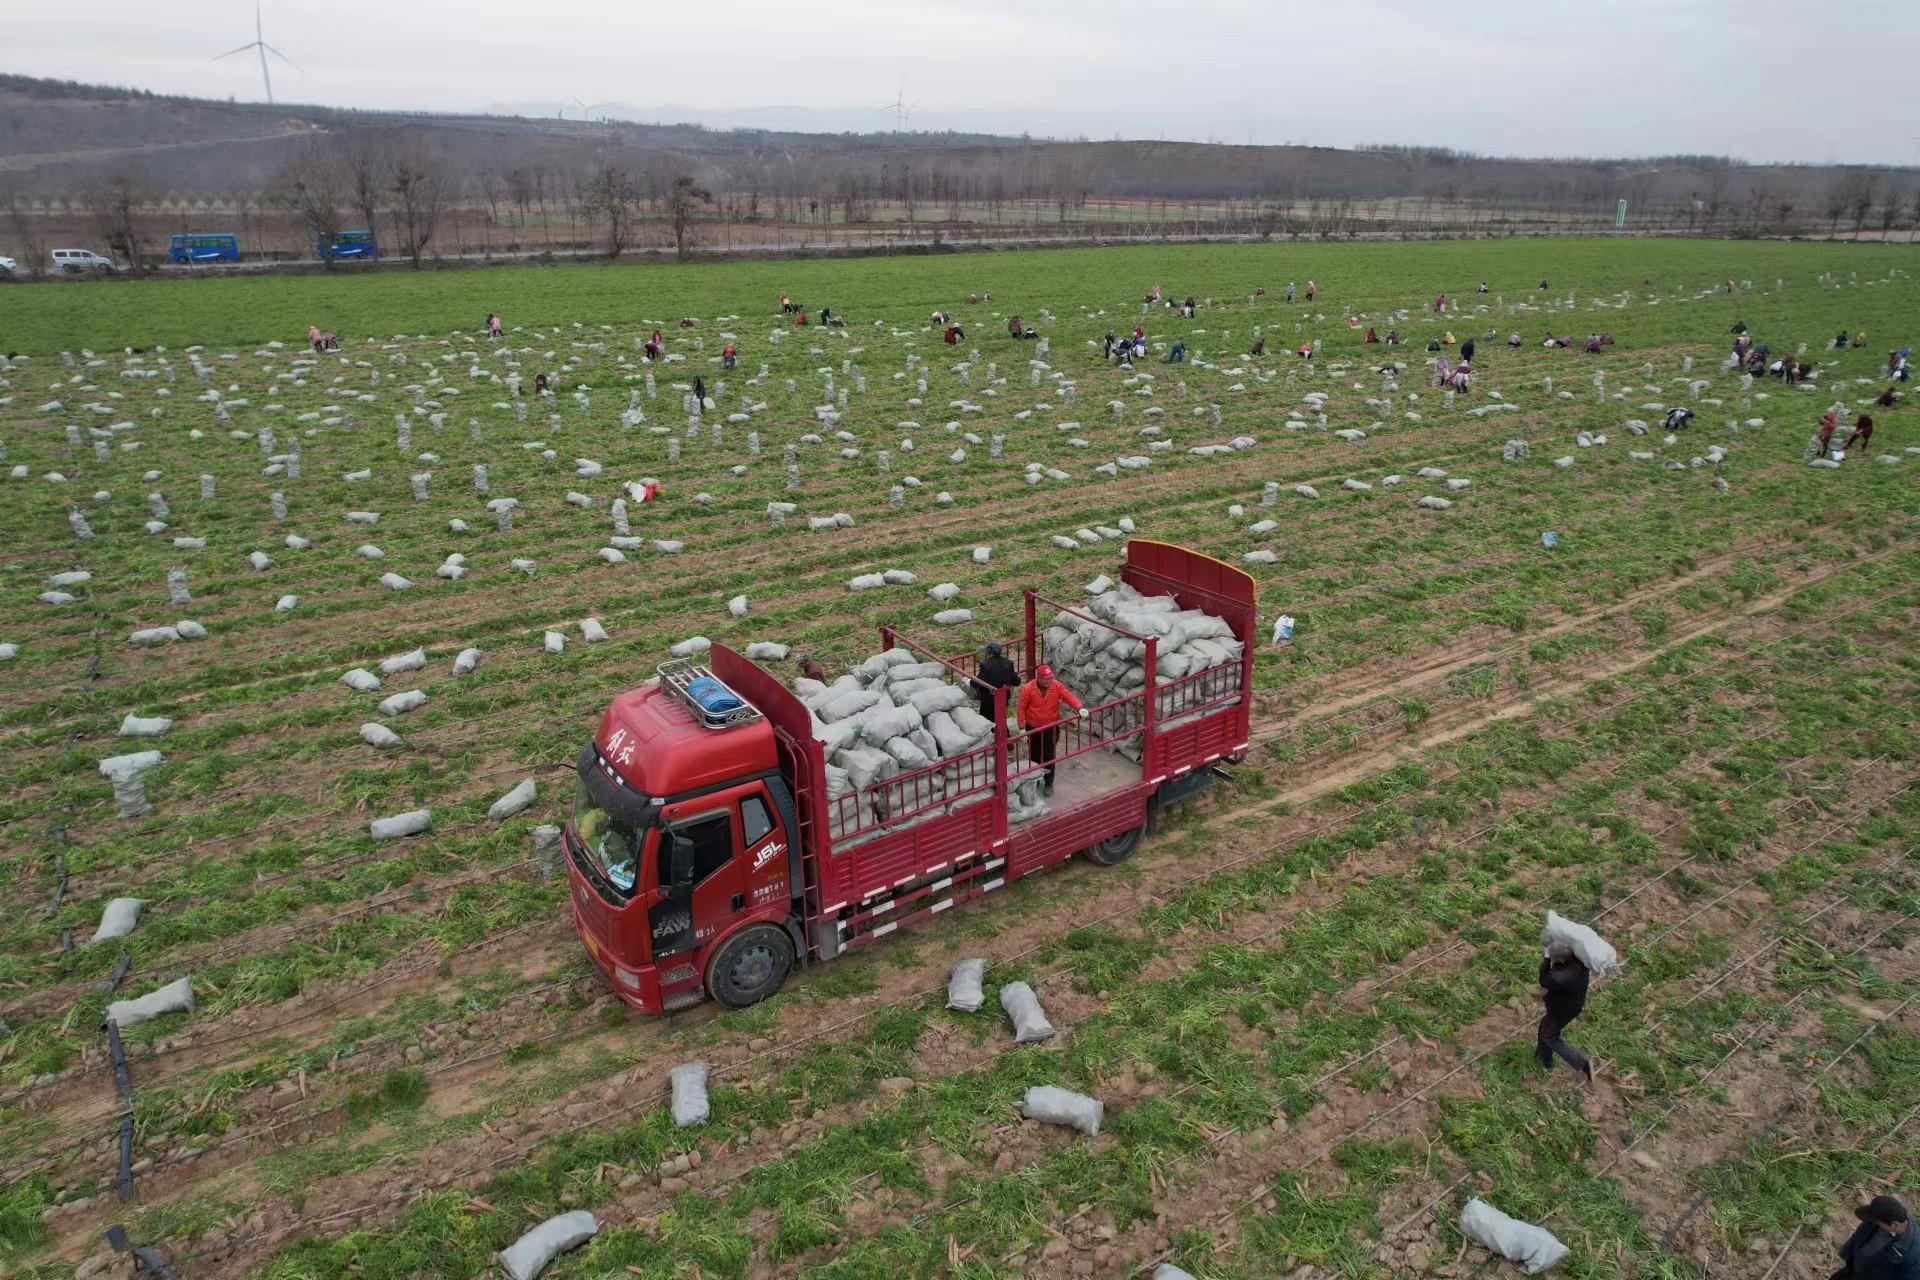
(682,848)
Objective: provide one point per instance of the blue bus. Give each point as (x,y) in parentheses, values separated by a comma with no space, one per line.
(204,246)
(346,244)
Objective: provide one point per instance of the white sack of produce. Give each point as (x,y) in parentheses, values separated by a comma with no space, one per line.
(1594,951)
(1534,1248)
(411,823)
(690,1106)
(1051,1105)
(147,637)
(737,606)
(404,662)
(175,997)
(1022,1006)
(944,592)
(953,617)
(117,920)
(401,703)
(528,1256)
(144,726)
(866,766)
(964,985)
(690,646)
(767,651)
(886,721)
(941,698)
(513,801)
(190,630)
(466,662)
(1167,1271)
(866,582)
(591,631)
(553,641)
(378,735)
(849,704)
(133,762)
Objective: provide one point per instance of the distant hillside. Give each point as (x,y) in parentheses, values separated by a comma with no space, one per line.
(534,184)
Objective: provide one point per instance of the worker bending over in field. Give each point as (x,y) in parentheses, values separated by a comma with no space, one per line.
(1862,431)
(729,358)
(996,672)
(1887,398)
(1882,1247)
(1563,985)
(1040,712)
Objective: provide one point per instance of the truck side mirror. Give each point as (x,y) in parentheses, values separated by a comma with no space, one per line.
(679,885)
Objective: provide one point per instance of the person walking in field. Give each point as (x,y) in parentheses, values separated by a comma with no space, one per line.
(1466,350)
(1862,431)
(1313,291)
(1563,986)
(493,326)
(1829,423)
(1040,712)
(1882,1247)
(996,672)
(1289,291)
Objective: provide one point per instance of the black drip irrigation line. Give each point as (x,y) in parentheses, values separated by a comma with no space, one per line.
(123,1085)
(59,868)
(146,1261)
(119,973)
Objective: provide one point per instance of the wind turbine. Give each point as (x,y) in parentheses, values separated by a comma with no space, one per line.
(259,44)
(586,112)
(901,111)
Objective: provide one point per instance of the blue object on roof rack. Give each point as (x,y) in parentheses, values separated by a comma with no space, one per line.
(714,698)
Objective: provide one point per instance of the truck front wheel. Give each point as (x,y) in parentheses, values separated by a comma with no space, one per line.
(750,966)
(1116,849)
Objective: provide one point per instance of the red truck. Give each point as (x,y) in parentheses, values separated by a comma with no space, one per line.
(706,857)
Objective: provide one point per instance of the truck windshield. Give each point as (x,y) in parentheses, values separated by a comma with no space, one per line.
(611,823)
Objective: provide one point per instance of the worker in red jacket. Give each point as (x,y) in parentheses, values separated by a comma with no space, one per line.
(1039,709)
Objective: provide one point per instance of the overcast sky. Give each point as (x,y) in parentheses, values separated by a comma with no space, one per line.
(1758,79)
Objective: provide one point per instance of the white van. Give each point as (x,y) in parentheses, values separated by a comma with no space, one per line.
(78,260)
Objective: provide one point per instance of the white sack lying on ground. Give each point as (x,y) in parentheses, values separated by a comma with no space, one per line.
(964,985)
(175,997)
(401,703)
(403,662)
(690,1106)
(1594,951)
(767,651)
(1051,1105)
(117,920)
(1167,1271)
(144,726)
(133,762)
(411,823)
(378,735)
(360,680)
(513,801)
(466,662)
(1534,1248)
(528,1256)
(1030,1025)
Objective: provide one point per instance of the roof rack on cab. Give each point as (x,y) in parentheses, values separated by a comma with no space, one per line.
(705,695)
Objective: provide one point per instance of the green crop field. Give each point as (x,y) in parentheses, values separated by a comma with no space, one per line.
(1686,718)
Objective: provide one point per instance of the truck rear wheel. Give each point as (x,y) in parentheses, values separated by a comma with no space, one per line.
(1116,849)
(750,966)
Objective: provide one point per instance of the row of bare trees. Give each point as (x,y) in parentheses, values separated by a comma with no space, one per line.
(372,176)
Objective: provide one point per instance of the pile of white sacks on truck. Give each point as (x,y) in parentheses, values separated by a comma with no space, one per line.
(893,714)
(1101,666)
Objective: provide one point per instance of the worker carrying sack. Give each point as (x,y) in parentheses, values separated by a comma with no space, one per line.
(1592,950)
(1534,1248)
(1030,1026)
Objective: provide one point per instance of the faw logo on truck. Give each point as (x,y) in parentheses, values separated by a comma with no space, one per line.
(669,925)
(768,852)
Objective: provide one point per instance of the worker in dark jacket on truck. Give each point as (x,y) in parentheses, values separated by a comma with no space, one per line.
(996,672)
(1563,981)
(1882,1247)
